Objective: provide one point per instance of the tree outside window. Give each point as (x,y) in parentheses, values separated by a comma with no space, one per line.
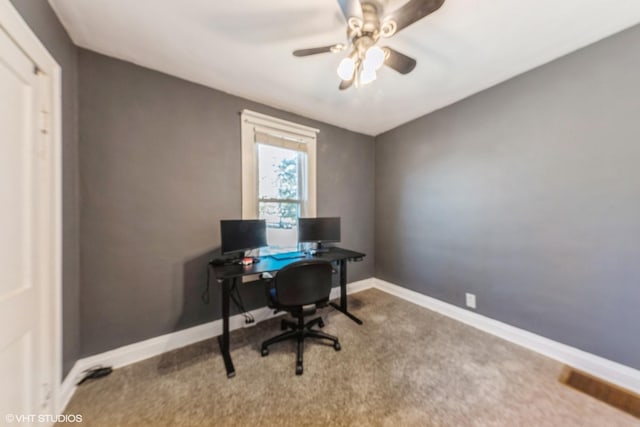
(279,193)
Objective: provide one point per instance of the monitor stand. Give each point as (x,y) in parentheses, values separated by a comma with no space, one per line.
(319,249)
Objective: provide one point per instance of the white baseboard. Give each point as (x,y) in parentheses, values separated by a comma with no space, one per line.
(142,350)
(354,287)
(597,366)
(613,372)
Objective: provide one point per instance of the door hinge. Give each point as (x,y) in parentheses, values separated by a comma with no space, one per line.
(46,395)
(42,145)
(44,121)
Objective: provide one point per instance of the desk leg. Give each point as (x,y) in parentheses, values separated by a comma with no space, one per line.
(223,340)
(343,293)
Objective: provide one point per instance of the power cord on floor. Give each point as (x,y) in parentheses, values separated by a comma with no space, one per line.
(95,372)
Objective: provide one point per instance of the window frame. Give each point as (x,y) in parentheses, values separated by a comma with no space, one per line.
(252,123)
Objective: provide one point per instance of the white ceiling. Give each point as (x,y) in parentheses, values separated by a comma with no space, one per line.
(244,47)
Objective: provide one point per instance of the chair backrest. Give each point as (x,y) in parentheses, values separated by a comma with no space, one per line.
(303,282)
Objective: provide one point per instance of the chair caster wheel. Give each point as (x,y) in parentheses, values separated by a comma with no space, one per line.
(298,369)
(336,346)
(264,352)
(321,324)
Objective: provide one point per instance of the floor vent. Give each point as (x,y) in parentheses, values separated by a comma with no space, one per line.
(614,395)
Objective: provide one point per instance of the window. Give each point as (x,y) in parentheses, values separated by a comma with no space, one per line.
(278,175)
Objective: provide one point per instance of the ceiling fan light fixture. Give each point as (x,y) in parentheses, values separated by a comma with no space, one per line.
(346,68)
(374,58)
(366,24)
(367,75)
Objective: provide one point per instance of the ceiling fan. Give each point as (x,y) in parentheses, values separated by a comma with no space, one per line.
(366,25)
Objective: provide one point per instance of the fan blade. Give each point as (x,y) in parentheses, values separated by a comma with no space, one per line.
(351,9)
(398,61)
(412,11)
(345,84)
(315,50)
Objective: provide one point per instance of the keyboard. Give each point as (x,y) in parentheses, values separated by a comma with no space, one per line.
(288,255)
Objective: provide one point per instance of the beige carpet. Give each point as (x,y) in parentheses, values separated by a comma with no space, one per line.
(406,366)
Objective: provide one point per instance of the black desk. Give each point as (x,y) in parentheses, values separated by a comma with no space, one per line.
(229,275)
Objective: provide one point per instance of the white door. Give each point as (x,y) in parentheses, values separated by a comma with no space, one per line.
(21,310)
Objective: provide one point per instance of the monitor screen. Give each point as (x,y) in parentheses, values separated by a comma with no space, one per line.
(319,229)
(242,234)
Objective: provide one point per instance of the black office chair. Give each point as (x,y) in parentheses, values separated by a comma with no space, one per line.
(300,288)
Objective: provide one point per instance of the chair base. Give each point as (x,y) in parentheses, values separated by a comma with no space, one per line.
(299,331)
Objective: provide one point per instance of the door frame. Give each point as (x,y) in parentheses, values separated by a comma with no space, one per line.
(49,208)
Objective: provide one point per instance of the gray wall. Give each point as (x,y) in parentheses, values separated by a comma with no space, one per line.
(528,195)
(44,23)
(159,167)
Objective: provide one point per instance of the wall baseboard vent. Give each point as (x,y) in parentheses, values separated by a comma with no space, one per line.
(611,394)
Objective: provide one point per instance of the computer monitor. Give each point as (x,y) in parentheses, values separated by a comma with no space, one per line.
(239,235)
(319,230)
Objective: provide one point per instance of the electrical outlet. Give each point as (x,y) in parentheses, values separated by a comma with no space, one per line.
(471,300)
